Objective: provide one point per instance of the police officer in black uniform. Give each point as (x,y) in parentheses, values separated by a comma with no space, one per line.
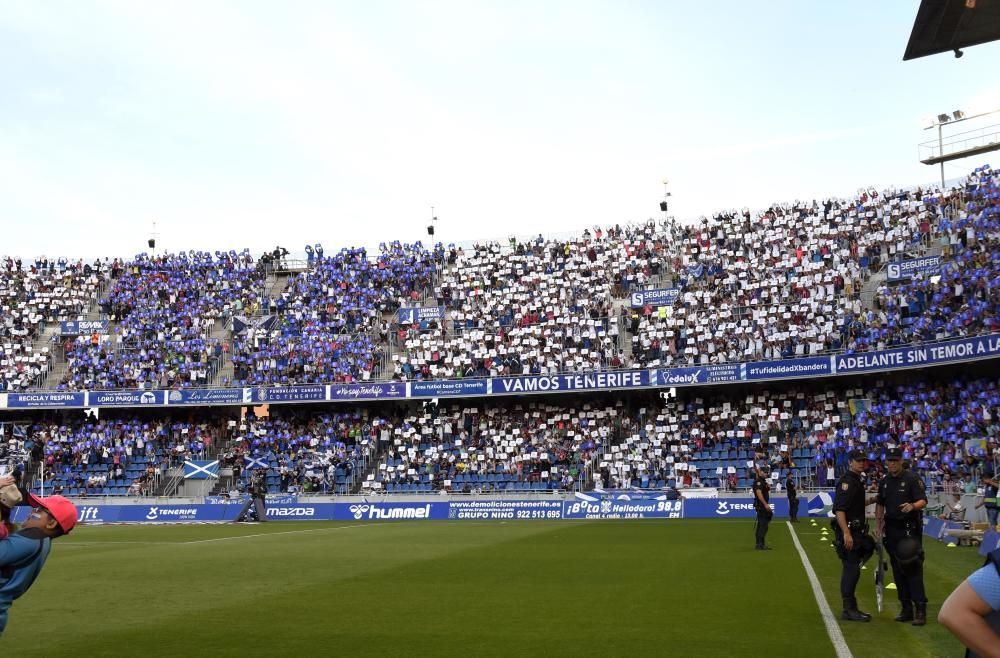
(853,544)
(901,497)
(761,505)
(793,498)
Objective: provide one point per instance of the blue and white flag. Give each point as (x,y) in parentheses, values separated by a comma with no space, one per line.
(253,462)
(201,469)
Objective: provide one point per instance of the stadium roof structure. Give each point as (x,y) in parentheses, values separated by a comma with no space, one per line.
(944,25)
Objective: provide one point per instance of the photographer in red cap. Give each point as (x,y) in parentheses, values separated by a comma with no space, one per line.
(23,553)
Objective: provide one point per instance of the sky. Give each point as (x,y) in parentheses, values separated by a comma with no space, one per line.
(249,124)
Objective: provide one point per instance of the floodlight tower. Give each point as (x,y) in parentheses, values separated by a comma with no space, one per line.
(960,145)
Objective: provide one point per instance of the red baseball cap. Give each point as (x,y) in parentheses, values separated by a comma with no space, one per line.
(63,511)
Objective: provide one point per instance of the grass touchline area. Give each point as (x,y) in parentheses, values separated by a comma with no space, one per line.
(456,588)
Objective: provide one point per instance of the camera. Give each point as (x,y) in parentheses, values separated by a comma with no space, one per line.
(258,482)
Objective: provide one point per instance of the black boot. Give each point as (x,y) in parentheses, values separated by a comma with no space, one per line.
(920,616)
(851,612)
(905,611)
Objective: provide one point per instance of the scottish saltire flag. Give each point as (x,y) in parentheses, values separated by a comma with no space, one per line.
(253,462)
(201,469)
(20,431)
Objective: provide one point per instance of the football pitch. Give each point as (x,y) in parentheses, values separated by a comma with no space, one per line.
(458,588)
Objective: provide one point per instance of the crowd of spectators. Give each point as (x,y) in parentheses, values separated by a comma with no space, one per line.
(329,321)
(538,307)
(117,456)
(17,448)
(784,283)
(964,298)
(475,448)
(304,451)
(33,295)
(776,284)
(165,309)
(697,439)
(949,431)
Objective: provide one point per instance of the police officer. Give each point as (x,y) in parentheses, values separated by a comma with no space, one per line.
(761,505)
(793,498)
(853,544)
(900,498)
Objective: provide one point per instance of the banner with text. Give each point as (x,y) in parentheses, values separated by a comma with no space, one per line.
(210,396)
(568,383)
(448,388)
(908,357)
(379,391)
(951,351)
(126,398)
(419,314)
(82,327)
(277,394)
(905,269)
(283,508)
(657,297)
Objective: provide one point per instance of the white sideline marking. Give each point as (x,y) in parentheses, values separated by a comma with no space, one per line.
(832,629)
(270,534)
(111,543)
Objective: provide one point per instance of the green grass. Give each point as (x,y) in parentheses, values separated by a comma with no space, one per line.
(560,588)
(944,569)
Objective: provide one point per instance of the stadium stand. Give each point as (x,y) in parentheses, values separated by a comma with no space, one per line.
(788,282)
(965,298)
(165,308)
(328,321)
(538,307)
(946,430)
(33,296)
(783,284)
(304,452)
(797,279)
(486,448)
(117,457)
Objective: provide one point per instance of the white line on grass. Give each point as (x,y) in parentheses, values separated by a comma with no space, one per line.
(111,543)
(832,629)
(269,534)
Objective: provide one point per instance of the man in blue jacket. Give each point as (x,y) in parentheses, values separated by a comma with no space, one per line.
(23,553)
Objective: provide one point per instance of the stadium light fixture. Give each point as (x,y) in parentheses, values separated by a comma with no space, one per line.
(956,115)
(430,227)
(665,204)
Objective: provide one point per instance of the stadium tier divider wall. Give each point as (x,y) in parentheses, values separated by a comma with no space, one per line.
(947,352)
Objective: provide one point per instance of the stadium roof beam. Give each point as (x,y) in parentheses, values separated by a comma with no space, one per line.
(950,25)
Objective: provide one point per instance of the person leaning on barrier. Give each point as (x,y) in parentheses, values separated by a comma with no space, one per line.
(972,611)
(898,506)
(853,543)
